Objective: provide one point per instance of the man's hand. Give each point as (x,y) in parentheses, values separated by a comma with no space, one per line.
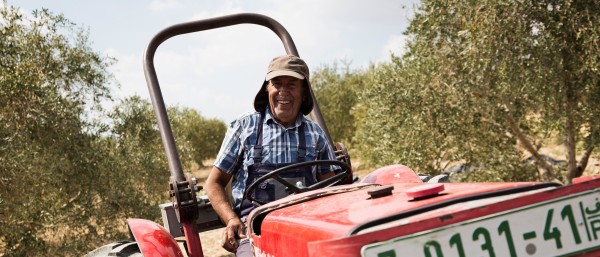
(215,190)
(233,232)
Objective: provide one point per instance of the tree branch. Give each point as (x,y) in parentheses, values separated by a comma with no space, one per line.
(584,161)
(547,175)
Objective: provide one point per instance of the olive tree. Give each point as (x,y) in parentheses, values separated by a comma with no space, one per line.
(49,80)
(336,88)
(198,139)
(71,172)
(488,82)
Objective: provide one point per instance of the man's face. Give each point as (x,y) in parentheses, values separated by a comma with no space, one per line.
(285,98)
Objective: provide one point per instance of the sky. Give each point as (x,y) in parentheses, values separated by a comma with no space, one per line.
(218,72)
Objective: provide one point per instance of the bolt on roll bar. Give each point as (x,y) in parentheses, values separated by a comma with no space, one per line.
(166,132)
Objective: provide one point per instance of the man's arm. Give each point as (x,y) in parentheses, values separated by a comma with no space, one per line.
(215,190)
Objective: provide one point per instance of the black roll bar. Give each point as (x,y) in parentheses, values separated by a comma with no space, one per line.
(164,126)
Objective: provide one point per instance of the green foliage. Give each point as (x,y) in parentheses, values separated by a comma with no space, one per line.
(422,125)
(70,175)
(426,105)
(336,91)
(137,157)
(198,139)
(47,164)
(483,80)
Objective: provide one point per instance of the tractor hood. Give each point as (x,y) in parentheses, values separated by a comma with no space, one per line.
(302,221)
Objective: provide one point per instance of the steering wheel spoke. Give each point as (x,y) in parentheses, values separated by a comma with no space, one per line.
(291,187)
(337,177)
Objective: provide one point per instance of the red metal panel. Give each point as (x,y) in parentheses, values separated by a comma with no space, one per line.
(350,246)
(153,239)
(292,228)
(392,174)
(584,179)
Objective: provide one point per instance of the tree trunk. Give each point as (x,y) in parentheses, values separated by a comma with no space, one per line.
(570,110)
(571,151)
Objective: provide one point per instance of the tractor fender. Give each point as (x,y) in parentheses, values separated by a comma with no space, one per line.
(392,174)
(153,240)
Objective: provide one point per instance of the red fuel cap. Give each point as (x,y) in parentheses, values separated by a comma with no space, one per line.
(425,190)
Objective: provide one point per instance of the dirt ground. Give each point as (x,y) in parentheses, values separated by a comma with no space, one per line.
(211,246)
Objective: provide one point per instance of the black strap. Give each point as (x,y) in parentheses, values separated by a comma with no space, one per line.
(301,144)
(257,150)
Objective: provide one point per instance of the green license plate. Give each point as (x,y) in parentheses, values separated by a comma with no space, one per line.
(559,227)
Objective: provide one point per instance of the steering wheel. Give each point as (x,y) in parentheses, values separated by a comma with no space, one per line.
(275,175)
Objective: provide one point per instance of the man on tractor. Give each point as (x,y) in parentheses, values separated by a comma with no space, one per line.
(277,134)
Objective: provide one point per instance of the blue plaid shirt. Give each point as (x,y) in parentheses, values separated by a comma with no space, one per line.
(280,145)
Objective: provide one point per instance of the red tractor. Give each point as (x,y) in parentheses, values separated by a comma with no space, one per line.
(391,212)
